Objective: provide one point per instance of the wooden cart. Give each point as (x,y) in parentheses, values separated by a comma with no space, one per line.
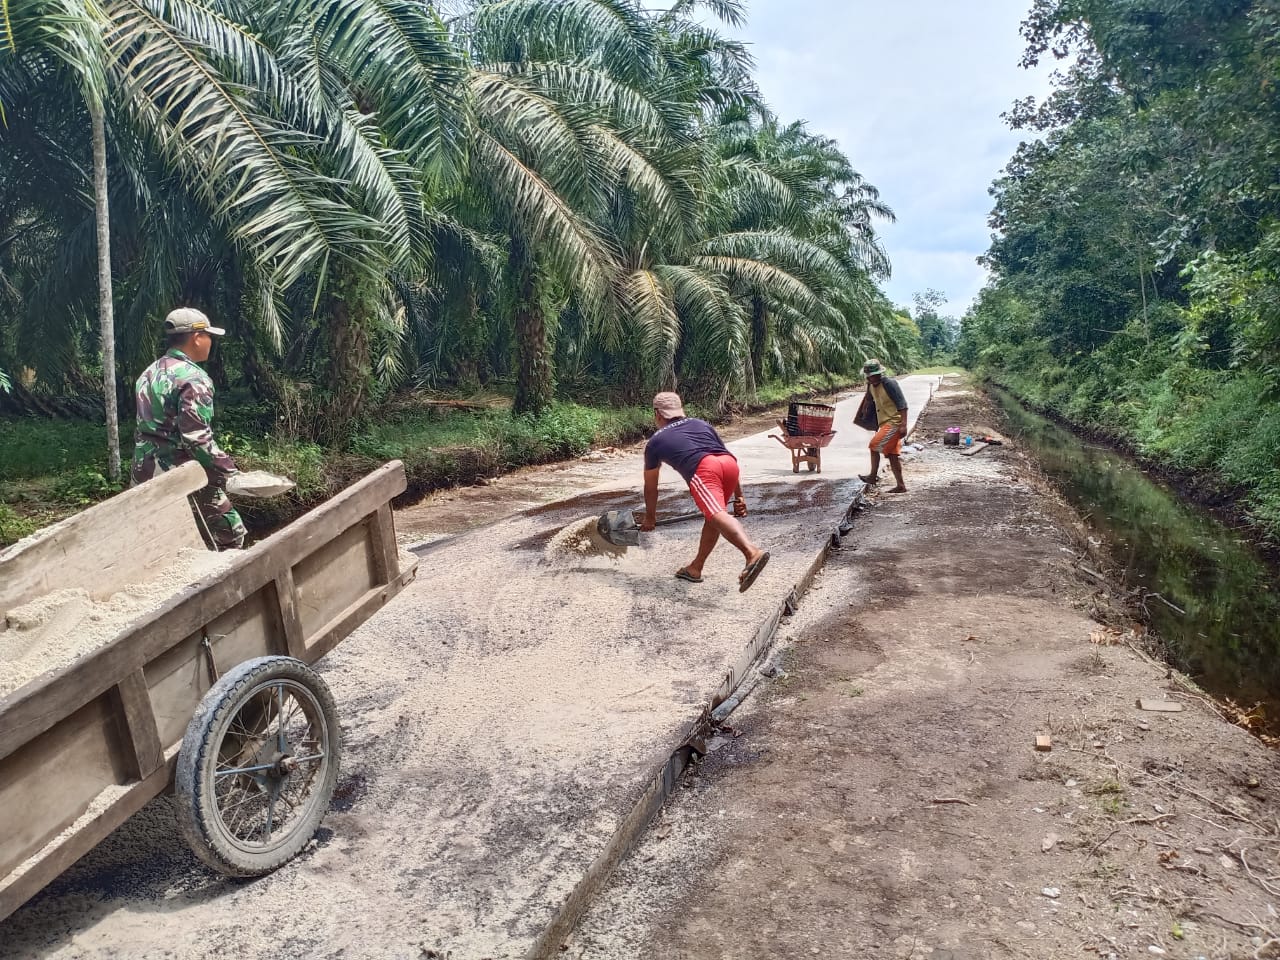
(213,686)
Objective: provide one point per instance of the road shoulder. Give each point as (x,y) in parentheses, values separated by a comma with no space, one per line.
(883,797)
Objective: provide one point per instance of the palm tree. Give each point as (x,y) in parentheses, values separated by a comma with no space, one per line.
(69,33)
(264,118)
(368,194)
(554,85)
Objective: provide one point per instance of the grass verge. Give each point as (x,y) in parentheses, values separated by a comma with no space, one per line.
(50,469)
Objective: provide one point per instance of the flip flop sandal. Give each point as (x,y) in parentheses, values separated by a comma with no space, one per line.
(686,576)
(753,571)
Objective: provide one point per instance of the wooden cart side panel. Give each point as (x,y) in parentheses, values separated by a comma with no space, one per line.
(106,733)
(17,888)
(334,577)
(185,663)
(71,554)
(52,780)
(35,708)
(179,678)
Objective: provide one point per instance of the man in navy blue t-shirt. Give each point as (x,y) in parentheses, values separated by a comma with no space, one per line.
(698,454)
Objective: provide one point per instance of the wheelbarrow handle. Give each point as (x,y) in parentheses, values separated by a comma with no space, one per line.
(678,518)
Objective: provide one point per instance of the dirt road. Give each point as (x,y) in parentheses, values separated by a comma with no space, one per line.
(884,798)
(500,720)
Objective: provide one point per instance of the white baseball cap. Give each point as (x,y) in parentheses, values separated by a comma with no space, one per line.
(190,320)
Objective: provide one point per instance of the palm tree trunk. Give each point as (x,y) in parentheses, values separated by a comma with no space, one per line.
(754,371)
(346,341)
(533,378)
(106,312)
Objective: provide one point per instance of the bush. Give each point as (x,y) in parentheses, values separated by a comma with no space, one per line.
(14,526)
(82,487)
(31,447)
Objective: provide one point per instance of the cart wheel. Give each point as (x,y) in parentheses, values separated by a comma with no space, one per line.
(795,467)
(258,766)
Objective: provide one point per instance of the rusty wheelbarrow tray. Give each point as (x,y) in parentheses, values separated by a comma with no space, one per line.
(805,448)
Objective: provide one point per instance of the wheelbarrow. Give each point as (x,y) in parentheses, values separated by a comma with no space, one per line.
(805,449)
(805,431)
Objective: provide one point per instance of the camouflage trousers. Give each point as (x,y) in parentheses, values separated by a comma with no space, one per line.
(216,517)
(219,518)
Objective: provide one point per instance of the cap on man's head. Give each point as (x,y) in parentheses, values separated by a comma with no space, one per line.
(872,368)
(189,320)
(668,406)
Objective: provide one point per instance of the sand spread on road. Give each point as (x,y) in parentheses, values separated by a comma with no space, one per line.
(53,630)
(582,539)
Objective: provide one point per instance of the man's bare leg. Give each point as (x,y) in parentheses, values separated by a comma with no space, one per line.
(725,525)
(729,528)
(874,475)
(710,537)
(895,464)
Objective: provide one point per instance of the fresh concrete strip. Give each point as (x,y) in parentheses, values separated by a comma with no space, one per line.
(692,744)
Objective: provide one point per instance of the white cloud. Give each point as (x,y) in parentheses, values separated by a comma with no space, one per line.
(913,92)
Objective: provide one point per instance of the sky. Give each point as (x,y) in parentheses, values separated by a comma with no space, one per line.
(913,91)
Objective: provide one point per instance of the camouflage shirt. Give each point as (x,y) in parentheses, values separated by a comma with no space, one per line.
(175,421)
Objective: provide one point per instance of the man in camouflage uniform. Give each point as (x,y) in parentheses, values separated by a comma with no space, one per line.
(175,423)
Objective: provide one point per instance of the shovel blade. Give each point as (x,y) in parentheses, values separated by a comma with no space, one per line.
(619,527)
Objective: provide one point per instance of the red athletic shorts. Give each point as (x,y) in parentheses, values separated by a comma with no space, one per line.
(881,443)
(714,482)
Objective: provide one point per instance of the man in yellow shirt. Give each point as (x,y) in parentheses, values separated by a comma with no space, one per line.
(891,414)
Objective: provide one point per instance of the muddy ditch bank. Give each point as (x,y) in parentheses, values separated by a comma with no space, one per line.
(881,797)
(1207,492)
(1211,598)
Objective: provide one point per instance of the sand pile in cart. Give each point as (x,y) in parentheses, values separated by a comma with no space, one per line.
(53,630)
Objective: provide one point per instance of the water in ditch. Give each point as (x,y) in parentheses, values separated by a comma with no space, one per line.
(1228,638)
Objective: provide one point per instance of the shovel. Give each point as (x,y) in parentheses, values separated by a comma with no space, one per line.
(258,485)
(619,527)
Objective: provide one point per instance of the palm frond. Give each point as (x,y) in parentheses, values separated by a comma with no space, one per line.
(399,54)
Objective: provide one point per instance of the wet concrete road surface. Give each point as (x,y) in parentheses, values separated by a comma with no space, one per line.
(500,717)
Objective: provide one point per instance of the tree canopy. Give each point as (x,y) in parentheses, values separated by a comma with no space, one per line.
(1136,250)
(373,195)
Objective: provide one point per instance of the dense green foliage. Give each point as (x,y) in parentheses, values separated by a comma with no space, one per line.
(539,196)
(1136,261)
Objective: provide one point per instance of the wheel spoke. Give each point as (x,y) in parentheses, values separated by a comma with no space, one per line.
(257,769)
(281,744)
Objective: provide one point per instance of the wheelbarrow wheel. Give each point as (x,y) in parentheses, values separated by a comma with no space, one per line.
(258,766)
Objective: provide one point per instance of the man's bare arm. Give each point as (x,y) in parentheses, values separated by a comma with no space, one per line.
(650,498)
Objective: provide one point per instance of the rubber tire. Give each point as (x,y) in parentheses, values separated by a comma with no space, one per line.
(197,813)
